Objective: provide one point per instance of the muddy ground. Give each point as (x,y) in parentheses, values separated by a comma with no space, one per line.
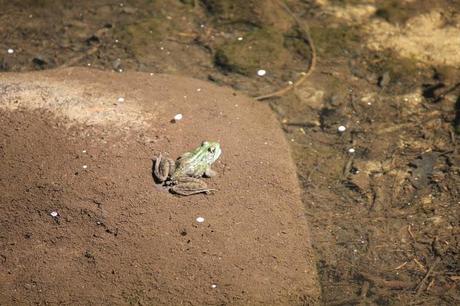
(382,196)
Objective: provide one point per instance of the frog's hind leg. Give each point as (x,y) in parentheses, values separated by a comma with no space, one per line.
(189,185)
(163,168)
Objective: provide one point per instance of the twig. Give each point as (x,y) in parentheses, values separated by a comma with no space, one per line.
(422,282)
(446,92)
(410,233)
(347,167)
(422,267)
(430,285)
(89,52)
(401,265)
(364,290)
(392,284)
(78,58)
(311,66)
(302,124)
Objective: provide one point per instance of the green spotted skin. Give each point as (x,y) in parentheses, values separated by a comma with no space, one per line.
(198,162)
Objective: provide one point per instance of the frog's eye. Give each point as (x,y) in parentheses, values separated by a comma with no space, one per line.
(212,149)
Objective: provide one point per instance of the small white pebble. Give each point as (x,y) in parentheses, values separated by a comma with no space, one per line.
(201,25)
(10,51)
(200,219)
(351,150)
(178,117)
(213,286)
(162,48)
(116,40)
(85,166)
(120,70)
(151,73)
(369,103)
(121,99)
(89,64)
(198,89)
(54,214)
(84,151)
(290,82)
(341,128)
(261,72)
(240,38)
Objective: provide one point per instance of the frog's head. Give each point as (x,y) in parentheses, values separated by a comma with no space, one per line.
(210,151)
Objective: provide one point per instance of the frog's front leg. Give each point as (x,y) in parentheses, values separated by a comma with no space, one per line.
(189,185)
(209,172)
(163,168)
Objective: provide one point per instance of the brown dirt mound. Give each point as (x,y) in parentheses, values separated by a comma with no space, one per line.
(119,239)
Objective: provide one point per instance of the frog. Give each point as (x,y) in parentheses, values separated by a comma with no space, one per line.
(183,176)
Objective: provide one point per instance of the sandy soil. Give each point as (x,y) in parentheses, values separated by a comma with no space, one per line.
(118,237)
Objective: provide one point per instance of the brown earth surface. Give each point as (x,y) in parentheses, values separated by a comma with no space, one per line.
(119,238)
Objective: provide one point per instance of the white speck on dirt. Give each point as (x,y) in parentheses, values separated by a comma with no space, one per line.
(200,219)
(341,128)
(54,214)
(10,51)
(261,72)
(85,166)
(178,117)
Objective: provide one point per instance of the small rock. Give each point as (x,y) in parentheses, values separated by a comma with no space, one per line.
(116,65)
(384,80)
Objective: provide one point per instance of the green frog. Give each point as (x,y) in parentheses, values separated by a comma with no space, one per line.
(183,175)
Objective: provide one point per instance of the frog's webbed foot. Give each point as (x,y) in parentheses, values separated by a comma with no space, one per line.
(189,185)
(163,168)
(209,172)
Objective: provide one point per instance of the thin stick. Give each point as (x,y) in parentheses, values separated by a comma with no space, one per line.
(422,267)
(422,282)
(401,265)
(311,66)
(410,233)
